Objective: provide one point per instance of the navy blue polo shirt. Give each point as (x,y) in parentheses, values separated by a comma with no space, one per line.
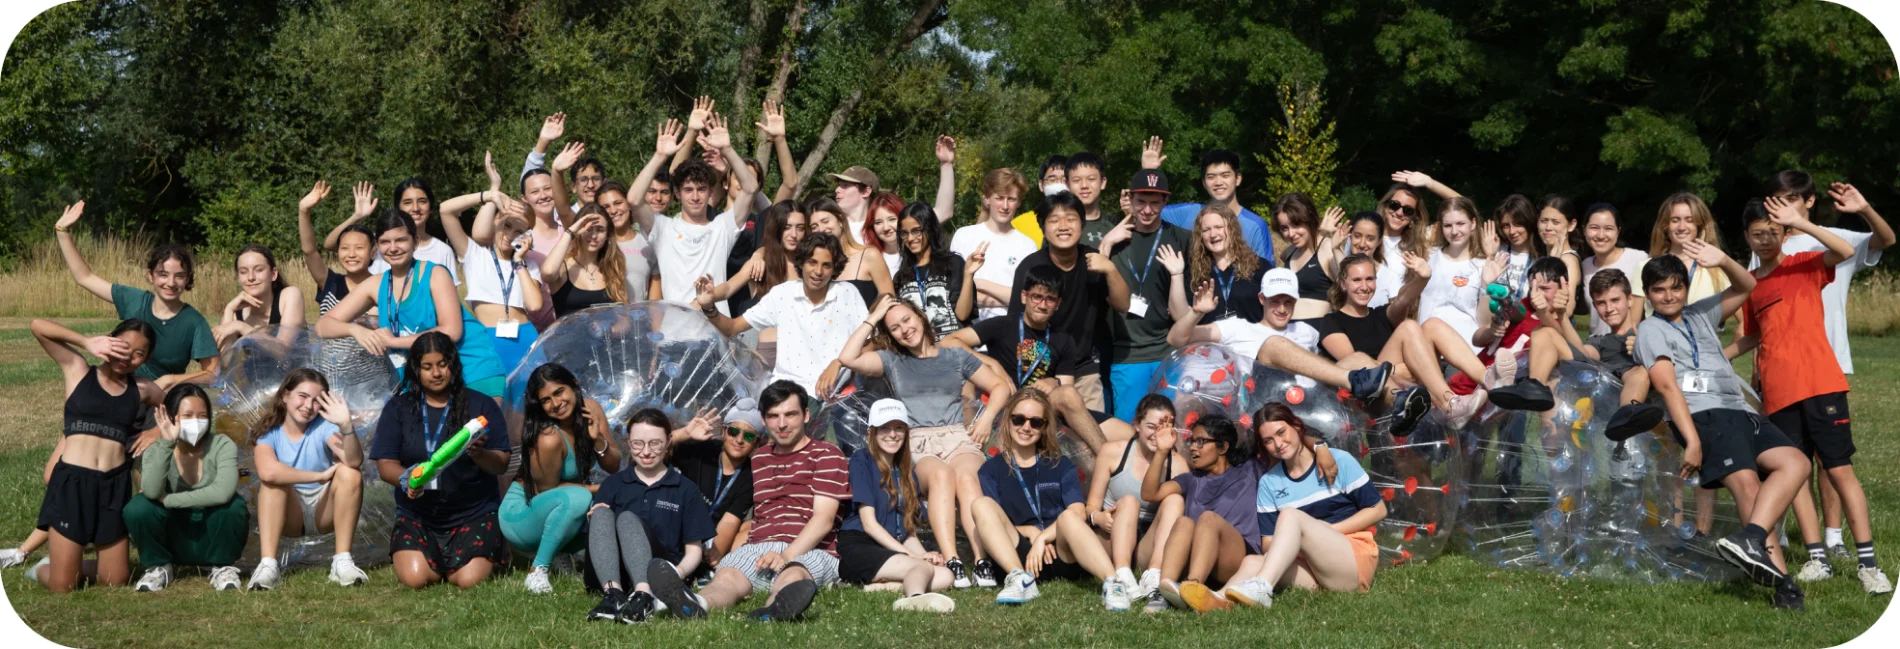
(867,490)
(671,509)
(1053,482)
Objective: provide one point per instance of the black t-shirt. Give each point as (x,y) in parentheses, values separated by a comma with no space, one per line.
(1368,334)
(743,246)
(1235,296)
(699,462)
(334,289)
(1054,352)
(1084,300)
(935,293)
(464,491)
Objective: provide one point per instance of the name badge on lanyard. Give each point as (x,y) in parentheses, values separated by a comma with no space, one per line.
(507,328)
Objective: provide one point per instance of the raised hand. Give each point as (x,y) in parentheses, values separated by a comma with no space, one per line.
(702,107)
(310,200)
(667,142)
(1099,263)
(70,216)
(703,288)
(553,127)
(717,137)
(1204,301)
(108,348)
(1333,223)
(1126,203)
(1171,260)
(167,428)
(774,124)
(1781,211)
(946,149)
(570,154)
(365,195)
(884,303)
(1847,200)
(1416,264)
(1496,265)
(1151,157)
(589,223)
(975,260)
(1413,178)
(494,175)
(1488,236)
(335,410)
(702,425)
(1704,254)
(508,206)
(1122,231)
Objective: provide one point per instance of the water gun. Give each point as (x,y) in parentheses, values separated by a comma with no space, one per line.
(426,471)
(1498,298)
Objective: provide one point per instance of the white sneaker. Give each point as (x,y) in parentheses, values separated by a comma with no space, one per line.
(537,581)
(343,572)
(1875,582)
(266,577)
(1018,588)
(11,557)
(1814,570)
(1156,603)
(226,578)
(930,602)
(1253,592)
(1463,408)
(1151,580)
(1137,591)
(1502,372)
(156,579)
(1114,594)
(33,570)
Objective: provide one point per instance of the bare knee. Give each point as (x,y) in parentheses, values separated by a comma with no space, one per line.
(1128,502)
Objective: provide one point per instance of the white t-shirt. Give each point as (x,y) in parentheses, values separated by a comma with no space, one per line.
(821,331)
(1391,274)
(891,260)
(436,250)
(1452,294)
(1245,338)
(639,254)
(1631,263)
(484,273)
(684,252)
(856,228)
(1834,295)
(1006,252)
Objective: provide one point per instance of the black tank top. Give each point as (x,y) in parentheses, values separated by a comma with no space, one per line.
(275,317)
(92,411)
(1314,284)
(569,299)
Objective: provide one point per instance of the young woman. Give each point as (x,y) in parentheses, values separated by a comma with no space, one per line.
(1318,510)
(537,190)
(720,463)
(91,477)
(877,545)
(564,435)
(769,266)
(447,528)
(354,246)
(1513,227)
(864,268)
(1217,254)
(1133,527)
(310,479)
(880,230)
(1603,232)
(1357,335)
(184,334)
(414,198)
(187,511)
(636,249)
(1457,276)
(1218,528)
(1364,234)
(930,379)
(411,299)
(1682,218)
(1308,252)
(263,297)
(583,269)
(1030,516)
(503,289)
(646,512)
(929,277)
(1557,229)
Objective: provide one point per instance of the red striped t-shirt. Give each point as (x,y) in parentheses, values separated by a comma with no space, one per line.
(783,485)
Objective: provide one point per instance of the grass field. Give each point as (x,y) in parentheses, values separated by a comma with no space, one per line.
(1452,601)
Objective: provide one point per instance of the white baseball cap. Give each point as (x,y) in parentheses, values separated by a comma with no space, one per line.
(1280,281)
(885,411)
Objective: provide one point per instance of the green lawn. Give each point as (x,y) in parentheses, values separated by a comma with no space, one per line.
(1450,602)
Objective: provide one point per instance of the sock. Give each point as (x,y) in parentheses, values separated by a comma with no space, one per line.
(1127,576)
(1817,552)
(1865,551)
(341,557)
(1753,531)
(267,561)
(1833,536)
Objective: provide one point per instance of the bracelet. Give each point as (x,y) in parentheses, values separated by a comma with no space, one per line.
(57,228)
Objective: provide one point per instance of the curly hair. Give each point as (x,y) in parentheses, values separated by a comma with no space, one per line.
(1201,262)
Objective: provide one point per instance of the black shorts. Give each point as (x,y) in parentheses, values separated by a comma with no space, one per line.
(447,549)
(1731,440)
(860,557)
(1820,427)
(1057,570)
(86,506)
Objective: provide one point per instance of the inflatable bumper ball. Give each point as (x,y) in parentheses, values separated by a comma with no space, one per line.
(1203,379)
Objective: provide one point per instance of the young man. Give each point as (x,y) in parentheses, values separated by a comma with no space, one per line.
(659,195)
(1054,178)
(1220,176)
(1725,444)
(1544,331)
(1086,179)
(853,192)
(1805,394)
(1089,286)
(1140,332)
(799,485)
(694,244)
(1031,353)
(1002,189)
(732,197)
(815,311)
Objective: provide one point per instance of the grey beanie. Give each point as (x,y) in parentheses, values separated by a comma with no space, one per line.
(746,411)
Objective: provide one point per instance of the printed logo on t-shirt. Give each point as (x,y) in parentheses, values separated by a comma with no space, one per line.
(1043,489)
(671,507)
(1460,281)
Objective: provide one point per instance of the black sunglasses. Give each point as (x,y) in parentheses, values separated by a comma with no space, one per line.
(1034,422)
(1401,208)
(741,433)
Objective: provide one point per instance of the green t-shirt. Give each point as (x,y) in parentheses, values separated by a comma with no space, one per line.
(1144,339)
(183,338)
(1093,231)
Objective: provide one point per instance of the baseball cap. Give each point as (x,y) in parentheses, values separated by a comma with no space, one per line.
(1280,281)
(885,411)
(1149,180)
(859,175)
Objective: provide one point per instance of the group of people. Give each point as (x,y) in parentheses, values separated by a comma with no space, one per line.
(1404,311)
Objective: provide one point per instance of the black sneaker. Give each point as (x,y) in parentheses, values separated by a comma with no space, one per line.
(959,575)
(988,574)
(1788,597)
(609,608)
(1368,382)
(639,607)
(1749,555)
(1408,407)
(671,590)
(789,604)
(1528,395)
(1632,420)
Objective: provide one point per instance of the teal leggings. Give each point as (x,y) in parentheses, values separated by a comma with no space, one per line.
(548,524)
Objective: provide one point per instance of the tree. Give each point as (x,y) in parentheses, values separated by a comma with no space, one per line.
(1303,160)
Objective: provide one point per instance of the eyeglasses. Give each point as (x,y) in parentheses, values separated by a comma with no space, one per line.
(744,435)
(1197,442)
(1041,298)
(1401,208)
(655,444)
(913,232)
(1034,422)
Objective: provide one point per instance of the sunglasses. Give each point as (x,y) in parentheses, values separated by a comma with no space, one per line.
(1401,208)
(1034,422)
(741,433)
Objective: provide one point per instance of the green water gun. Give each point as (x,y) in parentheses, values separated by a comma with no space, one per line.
(426,471)
(1498,297)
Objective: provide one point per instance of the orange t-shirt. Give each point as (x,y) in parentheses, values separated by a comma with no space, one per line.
(1784,312)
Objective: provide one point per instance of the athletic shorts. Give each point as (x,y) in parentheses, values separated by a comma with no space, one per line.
(1365,553)
(309,500)
(822,565)
(86,506)
(1057,570)
(447,549)
(942,442)
(860,557)
(1820,427)
(1731,440)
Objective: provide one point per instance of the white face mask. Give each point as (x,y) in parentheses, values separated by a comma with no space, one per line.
(192,430)
(1052,189)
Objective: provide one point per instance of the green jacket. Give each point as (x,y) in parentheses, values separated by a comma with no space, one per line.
(159,479)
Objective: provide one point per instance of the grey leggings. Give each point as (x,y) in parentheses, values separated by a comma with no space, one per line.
(617,541)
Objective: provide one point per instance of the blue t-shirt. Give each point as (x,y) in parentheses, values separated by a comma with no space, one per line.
(867,490)
(1350,492)
(1054,483)
(463,491)
(312,453)
(1252,227)
(671,510)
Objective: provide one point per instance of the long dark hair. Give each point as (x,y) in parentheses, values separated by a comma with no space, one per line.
(1517,210)
(440,343)
(902,490)
(1280,412)
(772,245)
(179,393)
(276,285)
(275,414)
(1568,208)
(428,193)
(926,218)
(537,422)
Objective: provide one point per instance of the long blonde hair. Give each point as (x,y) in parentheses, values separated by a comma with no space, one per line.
(1698,210)
(1046,445)
(1201,262)
(613,264)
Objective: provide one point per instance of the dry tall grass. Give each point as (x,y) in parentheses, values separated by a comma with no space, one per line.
(41,287)
(1873,305)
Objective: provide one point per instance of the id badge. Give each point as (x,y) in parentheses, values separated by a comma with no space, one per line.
(434,484)
(508,329)
(1137,306)
(398,359)
(1697,381)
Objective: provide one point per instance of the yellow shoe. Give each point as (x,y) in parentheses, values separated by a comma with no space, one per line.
(1202,599)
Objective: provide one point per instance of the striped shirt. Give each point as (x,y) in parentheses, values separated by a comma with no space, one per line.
(1349,492)
(784,484)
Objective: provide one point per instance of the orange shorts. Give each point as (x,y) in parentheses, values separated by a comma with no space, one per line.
(1365,549)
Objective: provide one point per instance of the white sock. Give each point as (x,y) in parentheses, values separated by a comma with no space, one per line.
(1127,576)
(266,561)
(1833,536)
(341,557)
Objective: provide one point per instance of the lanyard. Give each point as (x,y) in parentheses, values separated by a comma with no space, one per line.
(431,439)
(1695,349)
(918,273)
(724,486)
(1142,277)
(408,285)
(897,480)
(1034,507)
(1226,287)
(1022,334)
(507,280)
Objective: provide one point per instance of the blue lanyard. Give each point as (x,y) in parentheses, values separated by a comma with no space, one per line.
(897,480)
(507,280)
(1226,287)
(1034,507)
(1695,349)
(918,273)
(1142,277)
(431,439)
(724,486)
